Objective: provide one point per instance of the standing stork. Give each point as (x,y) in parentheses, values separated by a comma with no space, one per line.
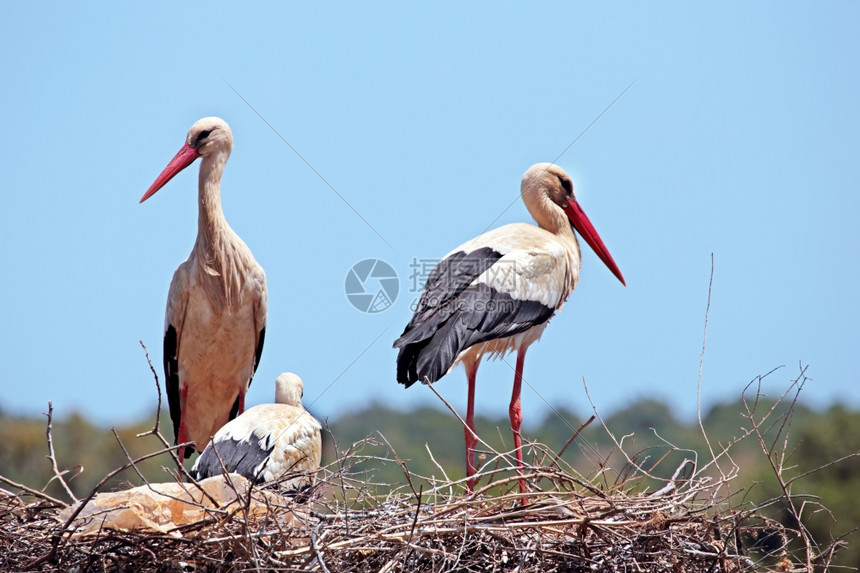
(268,441)
(496,294)
(216,308)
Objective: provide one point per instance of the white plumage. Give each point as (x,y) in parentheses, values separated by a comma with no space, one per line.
(215,322)
(268,441)
(496,293)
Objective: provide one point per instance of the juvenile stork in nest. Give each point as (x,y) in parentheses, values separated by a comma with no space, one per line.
(268,441)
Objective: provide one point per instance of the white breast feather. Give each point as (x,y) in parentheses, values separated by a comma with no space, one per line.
(534,264)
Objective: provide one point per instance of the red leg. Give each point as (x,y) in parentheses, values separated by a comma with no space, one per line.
(182,435)
(516,413)
(469,431)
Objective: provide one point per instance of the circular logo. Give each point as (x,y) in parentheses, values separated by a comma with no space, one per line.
(371,285)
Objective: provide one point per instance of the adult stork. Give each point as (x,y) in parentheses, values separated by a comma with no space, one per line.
(496,294)
(268,441)
(216,307)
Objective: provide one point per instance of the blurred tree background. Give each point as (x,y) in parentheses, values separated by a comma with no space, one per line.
(815,439)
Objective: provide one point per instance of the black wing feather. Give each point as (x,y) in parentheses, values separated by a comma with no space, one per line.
(238,457)
(259,351)
(171,380)
(454,314)
(454,273)
(450,277)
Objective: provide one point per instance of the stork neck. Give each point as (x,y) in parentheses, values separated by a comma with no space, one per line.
(568,237)
(210,216)
(551,218)
(214,249)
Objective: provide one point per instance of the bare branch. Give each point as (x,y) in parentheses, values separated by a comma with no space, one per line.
(33,492)
(154,431)
(572,438)
(52,456)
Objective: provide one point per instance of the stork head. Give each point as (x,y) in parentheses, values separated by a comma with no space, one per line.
(289,389)
(206,137)
(209,135)
(548,194)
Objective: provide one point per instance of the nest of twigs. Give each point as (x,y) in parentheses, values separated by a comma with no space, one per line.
(563,523)
(629,519)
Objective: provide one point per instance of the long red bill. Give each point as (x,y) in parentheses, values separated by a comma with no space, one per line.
(584,227)
(179,162)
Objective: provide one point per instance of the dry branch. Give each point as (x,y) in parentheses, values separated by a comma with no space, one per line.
(58,475)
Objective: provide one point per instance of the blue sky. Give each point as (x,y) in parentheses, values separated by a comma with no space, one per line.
(737,137)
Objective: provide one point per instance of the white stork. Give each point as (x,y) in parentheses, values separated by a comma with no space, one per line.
(268,441)
(497,292)
(216,308)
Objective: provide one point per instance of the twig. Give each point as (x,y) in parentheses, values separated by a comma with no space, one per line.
(778,468)
(172,450)
(34,492)
(400,461)
(128,455)
(437,464)
(701,370)
(51,456)
(412,529)
(417,513)
(618,444)
(318,553)
(571,439)
(154,431)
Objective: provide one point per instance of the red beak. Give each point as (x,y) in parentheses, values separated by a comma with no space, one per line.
(180,161)
(584,227)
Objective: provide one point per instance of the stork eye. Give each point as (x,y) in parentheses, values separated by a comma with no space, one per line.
(566,184)
(201,136)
